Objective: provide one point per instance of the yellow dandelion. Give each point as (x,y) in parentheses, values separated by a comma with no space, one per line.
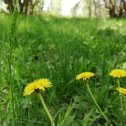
(43,83)
(29,89)
(85,75)
(121,90)
(118,73)
(39,84)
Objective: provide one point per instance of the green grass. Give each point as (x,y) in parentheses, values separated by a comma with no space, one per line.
(59,49)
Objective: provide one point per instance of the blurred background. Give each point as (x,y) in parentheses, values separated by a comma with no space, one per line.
(71,8)
(59,39)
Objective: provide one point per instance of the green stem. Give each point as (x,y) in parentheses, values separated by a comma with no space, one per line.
(11,42)
(89,90)
(46,109)
(118,83)
(121,98)
(1,121)
(11,90)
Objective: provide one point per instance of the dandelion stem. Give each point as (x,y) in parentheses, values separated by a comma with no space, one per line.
(121,98)
(89,90)
(118,83)
(46,109)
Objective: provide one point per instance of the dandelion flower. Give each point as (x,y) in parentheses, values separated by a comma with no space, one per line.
(39,84)
(121,90)
(29,89)
(43,83)
(118,73)
(85,75)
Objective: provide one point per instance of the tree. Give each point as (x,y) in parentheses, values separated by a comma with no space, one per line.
(25,6)
(75,8)
(89,4)
(55,7)
(10,5)
(116,8)
(97,8)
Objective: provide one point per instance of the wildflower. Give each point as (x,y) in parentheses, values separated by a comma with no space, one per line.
(121,90)
(84,75)
(39,84)
(118,73)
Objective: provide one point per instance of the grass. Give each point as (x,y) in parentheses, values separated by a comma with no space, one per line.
(59,49)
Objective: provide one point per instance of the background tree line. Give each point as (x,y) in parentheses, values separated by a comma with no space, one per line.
(90,8)
(24,6)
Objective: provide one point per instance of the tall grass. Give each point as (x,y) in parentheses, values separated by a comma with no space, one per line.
(59,49)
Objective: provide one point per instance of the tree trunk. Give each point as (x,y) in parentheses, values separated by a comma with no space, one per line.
(10,5)
(89,8)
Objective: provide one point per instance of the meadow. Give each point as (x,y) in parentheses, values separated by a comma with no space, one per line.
(59,49)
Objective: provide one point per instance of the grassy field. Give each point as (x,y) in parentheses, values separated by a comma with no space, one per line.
(59,49)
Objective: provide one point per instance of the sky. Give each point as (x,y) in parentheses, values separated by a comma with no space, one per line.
(66,5)
(2,6)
